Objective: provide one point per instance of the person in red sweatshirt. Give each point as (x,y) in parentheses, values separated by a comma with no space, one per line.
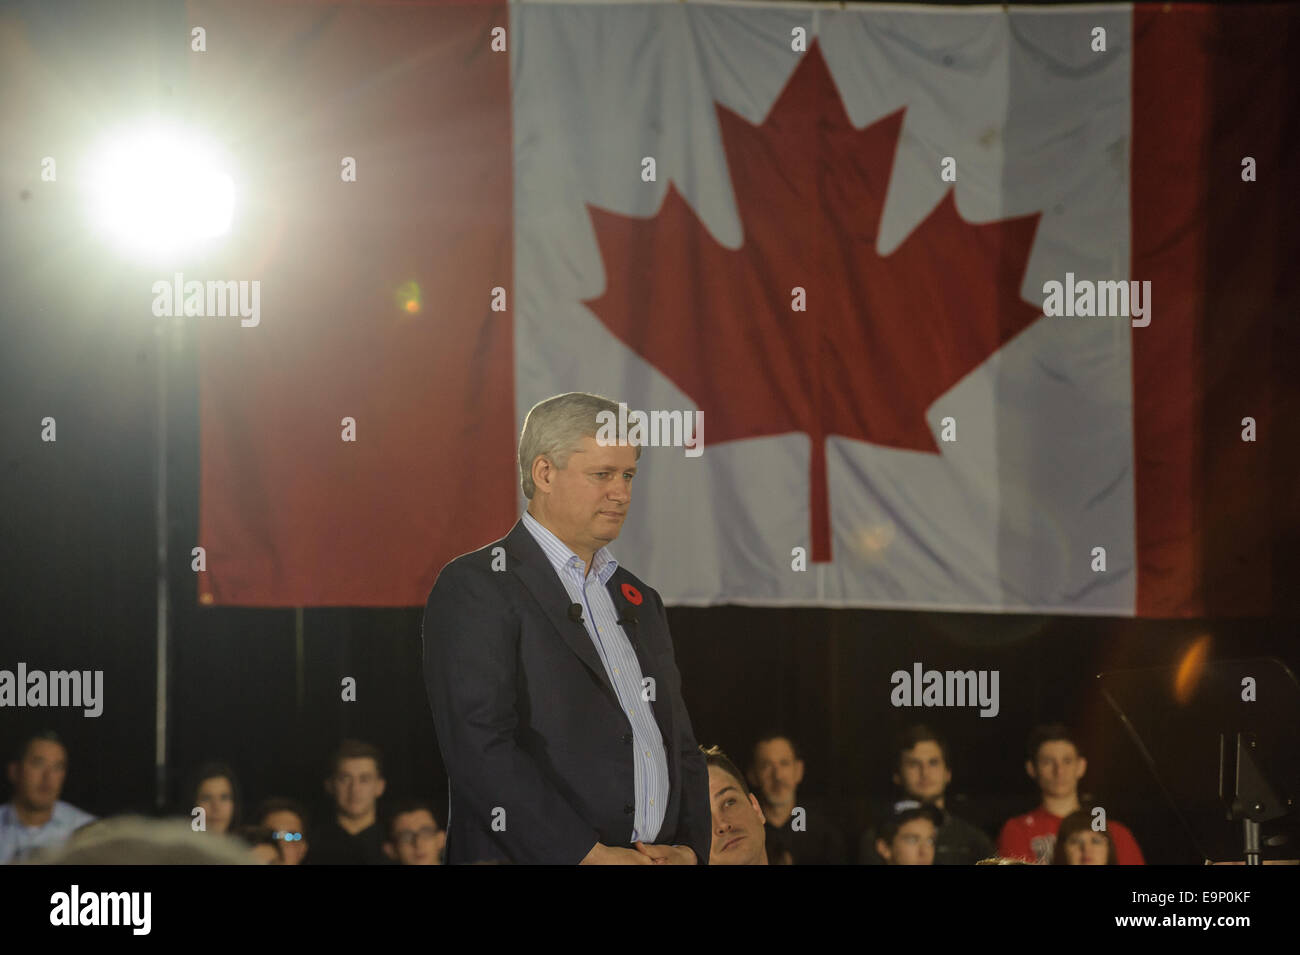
(1056,765)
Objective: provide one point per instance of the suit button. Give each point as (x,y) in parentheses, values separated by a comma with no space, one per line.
(629,809)
(627,737)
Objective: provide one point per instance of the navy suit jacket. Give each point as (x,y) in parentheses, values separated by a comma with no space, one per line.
(537,748)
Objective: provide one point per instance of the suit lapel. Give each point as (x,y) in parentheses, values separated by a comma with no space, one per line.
(537,574)
(644,634)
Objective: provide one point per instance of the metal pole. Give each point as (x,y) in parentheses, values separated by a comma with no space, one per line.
(1250,839)
(300,682)
(160,524)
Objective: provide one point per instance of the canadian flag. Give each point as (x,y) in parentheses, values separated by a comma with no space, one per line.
(834,235)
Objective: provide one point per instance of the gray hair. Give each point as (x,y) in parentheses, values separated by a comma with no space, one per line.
(553,429)
(134,840)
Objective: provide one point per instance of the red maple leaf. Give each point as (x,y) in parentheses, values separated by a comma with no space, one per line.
(882,337)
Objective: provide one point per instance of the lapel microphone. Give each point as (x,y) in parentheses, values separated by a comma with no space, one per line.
(575,613)
(627,620)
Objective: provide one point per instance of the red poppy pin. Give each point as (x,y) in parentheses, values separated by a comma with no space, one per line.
(632,594)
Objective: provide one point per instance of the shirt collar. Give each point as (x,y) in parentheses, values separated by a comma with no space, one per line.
(58,816)
(560,555)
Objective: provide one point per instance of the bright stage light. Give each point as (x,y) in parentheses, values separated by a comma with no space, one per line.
(160,192)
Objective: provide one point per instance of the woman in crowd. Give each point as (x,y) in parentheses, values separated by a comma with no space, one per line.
(215,790)
(1077,843)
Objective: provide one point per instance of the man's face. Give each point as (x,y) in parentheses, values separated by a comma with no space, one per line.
(913,844)
(416,838)
(38,777)
(217,798)
(777,773)
(356,786)
(1057,768)
(284,821)
(922,773)
(1086,848)
(738,835)
(586,502)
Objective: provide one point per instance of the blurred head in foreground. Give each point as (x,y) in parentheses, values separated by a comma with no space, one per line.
(134,840)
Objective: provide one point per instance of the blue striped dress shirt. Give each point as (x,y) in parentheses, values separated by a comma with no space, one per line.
(649,760)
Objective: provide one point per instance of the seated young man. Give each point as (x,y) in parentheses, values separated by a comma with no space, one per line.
(36,819)
(908,836)
(1056,765)
(923,774)
(414,837)
(738,834)
(287,820)
(351,835)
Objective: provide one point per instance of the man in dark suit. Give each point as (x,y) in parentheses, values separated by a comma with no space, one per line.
(550,671)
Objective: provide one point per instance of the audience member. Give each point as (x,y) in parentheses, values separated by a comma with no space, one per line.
(287,821)
(809,837)
(1078,843)
(351,835)
(132,840)
(908,836)
(1056,765)
(414,837)
(756,817)
(215,790)
(739,837)
(35,818)
(923,773)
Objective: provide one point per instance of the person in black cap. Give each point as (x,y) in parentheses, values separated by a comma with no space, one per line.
(907,837)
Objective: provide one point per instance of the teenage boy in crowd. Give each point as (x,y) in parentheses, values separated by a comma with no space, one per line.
(1056,765)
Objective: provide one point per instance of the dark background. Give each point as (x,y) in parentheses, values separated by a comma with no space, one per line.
(77,591)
